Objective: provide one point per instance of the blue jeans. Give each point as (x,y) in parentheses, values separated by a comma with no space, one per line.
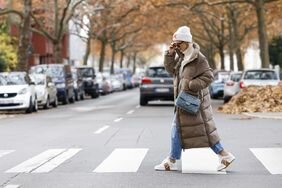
(175,152)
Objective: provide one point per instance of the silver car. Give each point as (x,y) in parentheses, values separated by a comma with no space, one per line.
(46,90)
(231,86)
(157,84)
(259,77)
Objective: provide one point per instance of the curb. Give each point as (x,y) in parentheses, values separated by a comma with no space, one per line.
(264,115)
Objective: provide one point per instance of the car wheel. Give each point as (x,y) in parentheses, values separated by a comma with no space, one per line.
(226,99)
(143,101)
(66,99)
(55,103)
(82,96)
(72,99)
(47,105)
(95,95)
(35,105)
(30,107)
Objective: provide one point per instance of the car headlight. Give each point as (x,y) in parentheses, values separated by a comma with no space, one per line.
(23,91)
(62,85)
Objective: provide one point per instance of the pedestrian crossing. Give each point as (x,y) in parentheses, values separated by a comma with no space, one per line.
(131,159)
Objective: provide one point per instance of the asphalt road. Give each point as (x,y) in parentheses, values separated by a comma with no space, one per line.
(113,142)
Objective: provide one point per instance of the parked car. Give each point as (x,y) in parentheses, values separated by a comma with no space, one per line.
(91,86)
(46,90)
(78,84)
(62,76)
(232,86)
(217,86)
(117,82)
(104,84)
(135,80)
(157,84)
(259,77)
(17,92)
(127,75)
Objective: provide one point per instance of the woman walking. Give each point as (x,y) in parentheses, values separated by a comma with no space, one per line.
(192,75)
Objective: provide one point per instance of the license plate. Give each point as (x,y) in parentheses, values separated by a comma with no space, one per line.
(6,102)
(162,90)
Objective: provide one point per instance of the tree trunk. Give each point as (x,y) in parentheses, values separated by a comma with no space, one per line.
(236,40)
(121,59)
(102,56)
(263,44)
(134,62)
(88,48)
(221,53)
(24,40)
(128,60)
(239,59)
(113,58)
(231,39)
(57,52)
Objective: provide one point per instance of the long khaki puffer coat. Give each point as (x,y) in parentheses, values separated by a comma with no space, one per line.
(195,130)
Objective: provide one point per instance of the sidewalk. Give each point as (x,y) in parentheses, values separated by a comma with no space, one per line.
(266,115)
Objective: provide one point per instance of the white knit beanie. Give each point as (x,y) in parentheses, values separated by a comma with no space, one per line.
(182,34)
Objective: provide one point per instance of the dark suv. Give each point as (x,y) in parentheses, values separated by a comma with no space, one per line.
(91,86)
(62,77)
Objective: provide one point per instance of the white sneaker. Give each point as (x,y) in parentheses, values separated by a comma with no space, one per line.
(167,165)
(225,161)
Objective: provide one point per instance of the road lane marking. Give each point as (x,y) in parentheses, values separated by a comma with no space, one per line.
(271,158)
(36,161)
(138,106)
(12,186)
(45,161)
(118,120)
(130,112)
(200,161)
(123,160)
(5,152)
(101,129)
(47,167)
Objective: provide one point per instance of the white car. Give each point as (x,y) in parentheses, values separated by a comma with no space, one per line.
(46,90)
(231,86)
(259,77)
(17,92)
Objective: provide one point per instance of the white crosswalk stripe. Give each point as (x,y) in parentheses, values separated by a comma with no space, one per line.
(123,160)
(45,161)
(12,186)
(271,158)
(200,160)
(5,152)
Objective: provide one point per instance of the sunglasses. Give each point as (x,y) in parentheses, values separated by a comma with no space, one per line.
(177,44)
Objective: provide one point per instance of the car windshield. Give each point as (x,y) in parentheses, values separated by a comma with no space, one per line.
(260,75)
(236,77)
(159,72)
(222,76)
(53,71)
(13,79)
(39,80)
(86,72)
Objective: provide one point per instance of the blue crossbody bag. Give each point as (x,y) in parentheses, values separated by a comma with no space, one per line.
(187,102)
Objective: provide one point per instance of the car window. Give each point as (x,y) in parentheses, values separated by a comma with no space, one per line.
(53,71)
(13,79)
(222,76)
(260,75)
(85,72)
(157,72)
(235,77)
